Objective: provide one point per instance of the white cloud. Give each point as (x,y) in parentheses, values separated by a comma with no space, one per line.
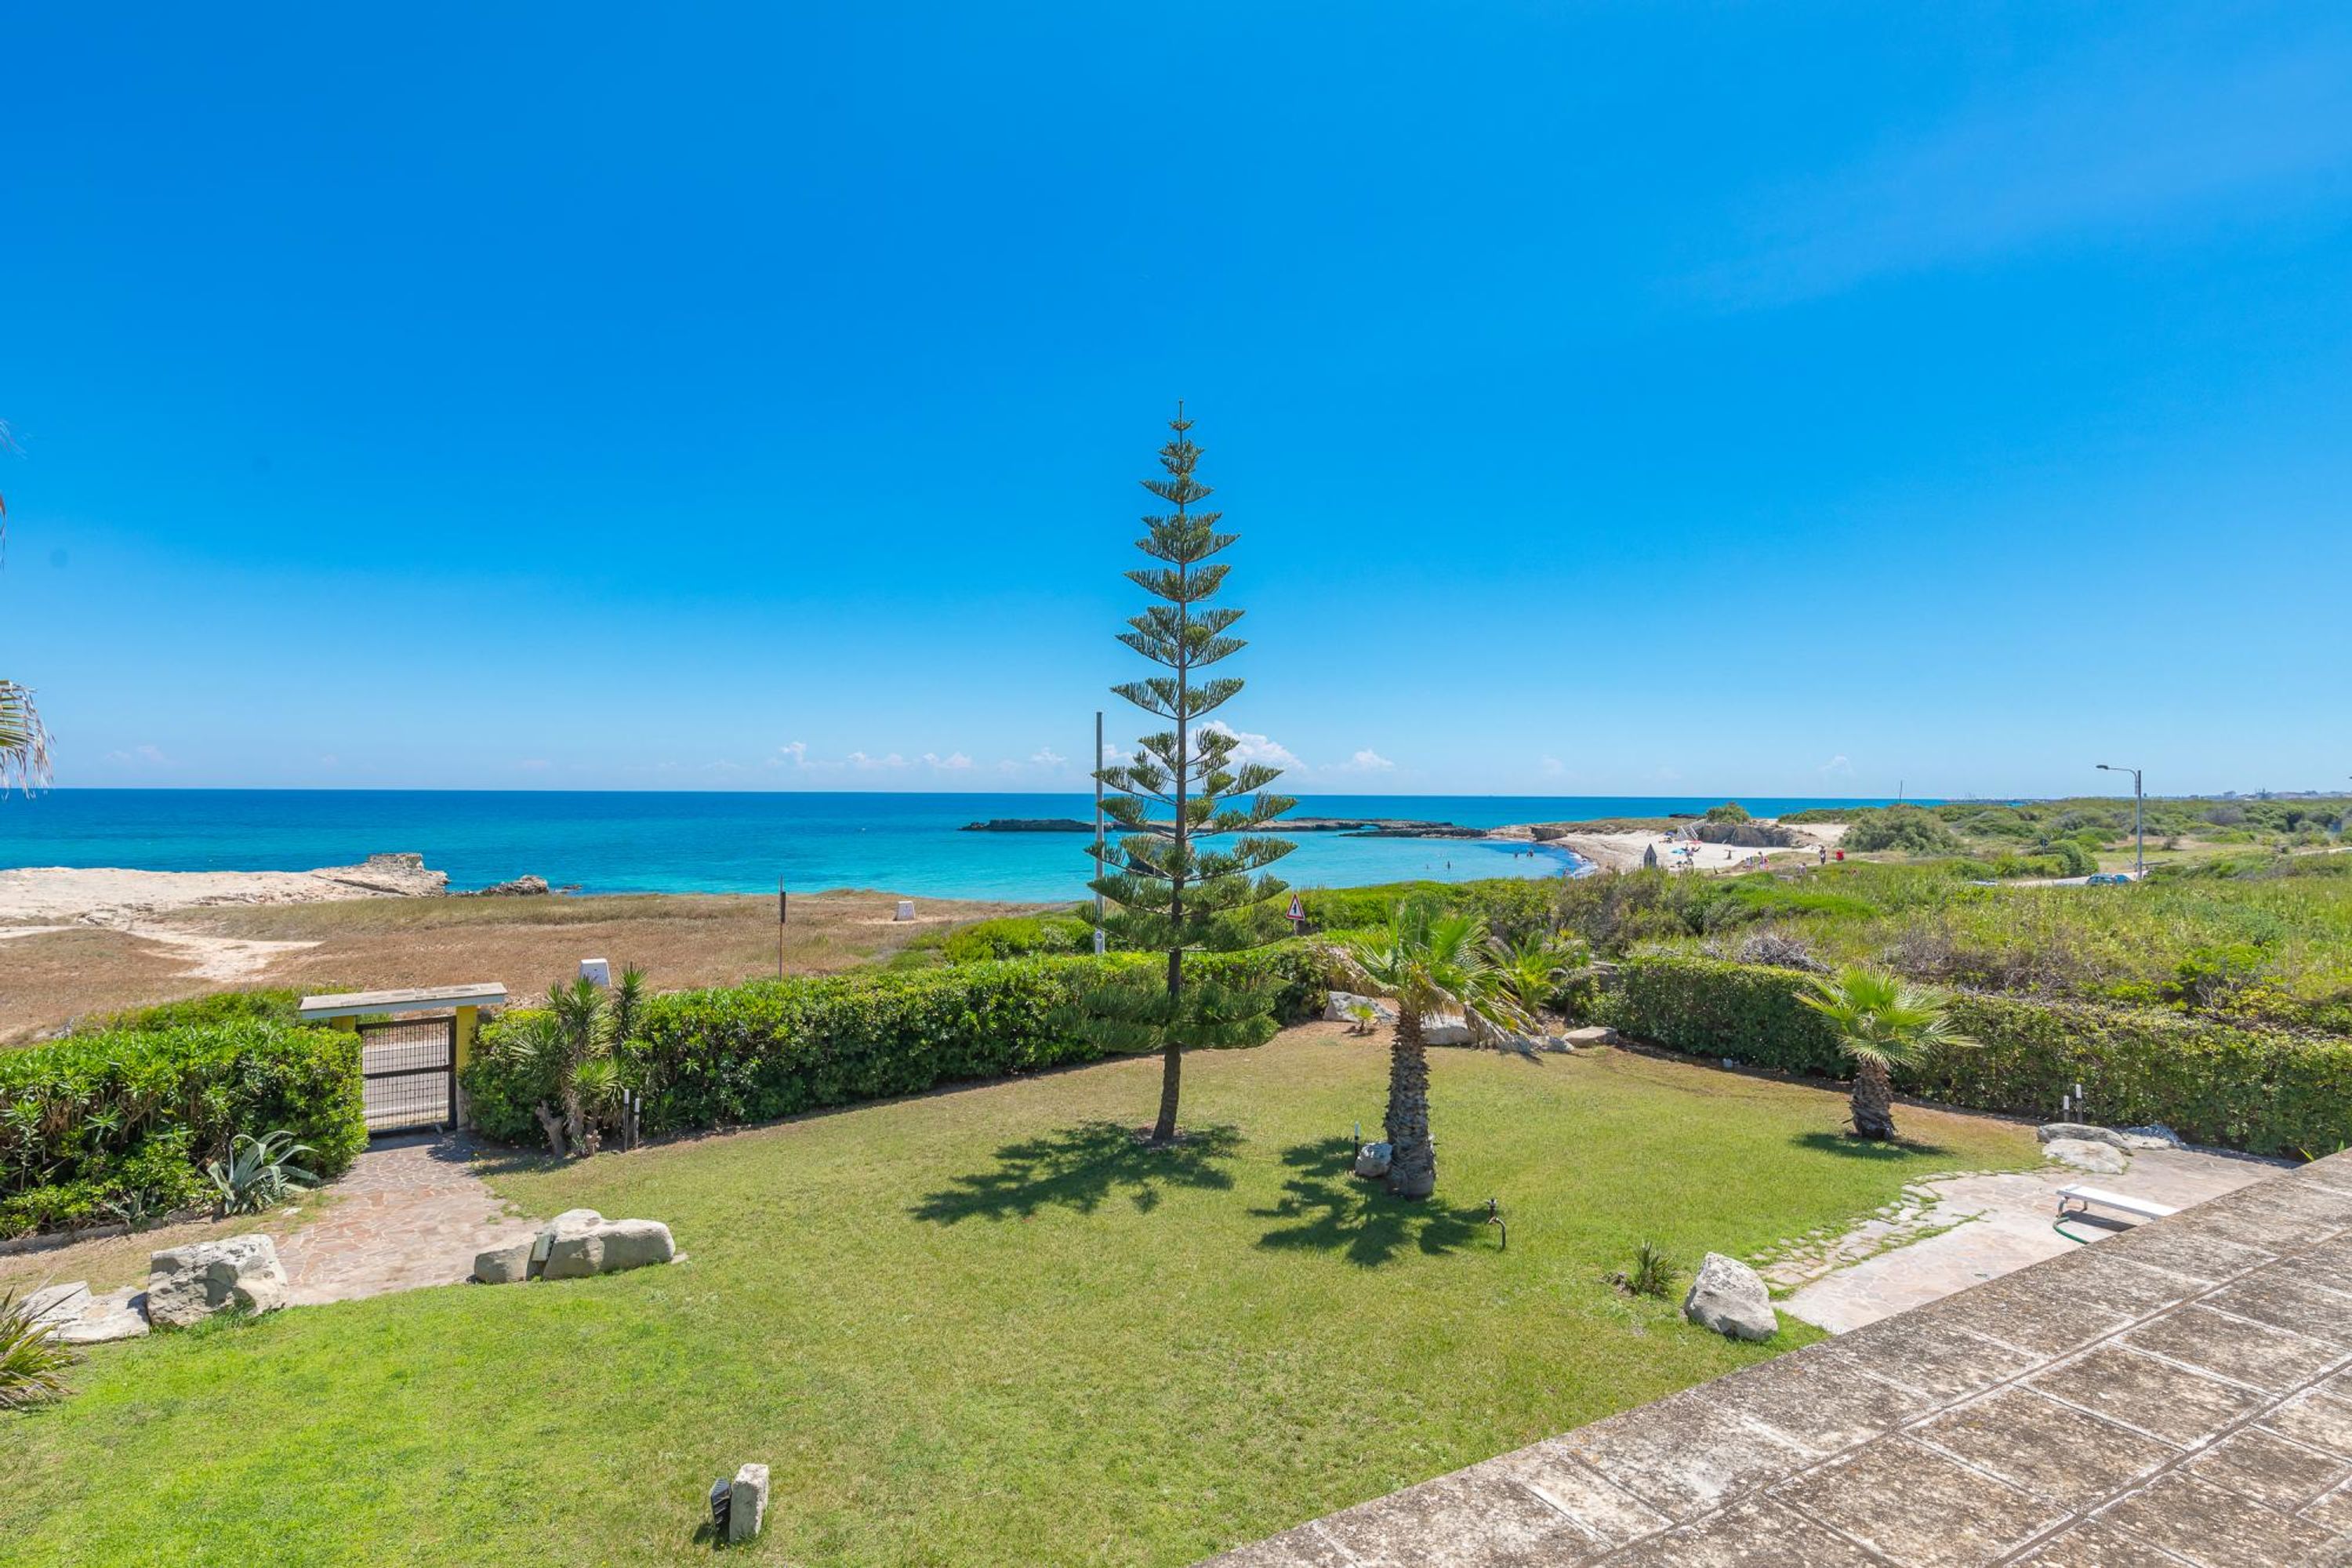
(1046,757)
(791,755)
(1553,767)
(1838,767)
(1367,761)
(954,762)
(860,760)
(1255,747)
(141,756)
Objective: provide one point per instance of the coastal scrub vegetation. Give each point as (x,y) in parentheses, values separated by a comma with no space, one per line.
(1181,789)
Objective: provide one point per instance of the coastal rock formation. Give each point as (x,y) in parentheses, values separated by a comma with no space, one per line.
(1731,1298)
(188,1284)
(518,888)
(119,897)
(1029,825)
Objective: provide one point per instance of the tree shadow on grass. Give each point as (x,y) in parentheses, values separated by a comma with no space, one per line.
(1081,1168)
(1847,1146)
(1327,1209)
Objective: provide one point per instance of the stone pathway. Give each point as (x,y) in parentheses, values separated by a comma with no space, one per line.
(1963,1231)
(2179,1394)
(409,1213)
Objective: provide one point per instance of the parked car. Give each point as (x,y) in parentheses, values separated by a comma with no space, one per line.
(2106,878)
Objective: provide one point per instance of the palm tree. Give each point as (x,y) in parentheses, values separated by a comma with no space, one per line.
(1427,963)
(571,1047)
(1535,967)
(1882,1023)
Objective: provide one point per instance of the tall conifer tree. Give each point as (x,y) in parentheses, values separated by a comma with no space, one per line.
(1184,871)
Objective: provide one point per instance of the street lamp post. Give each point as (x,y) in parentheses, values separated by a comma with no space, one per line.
(2140,818)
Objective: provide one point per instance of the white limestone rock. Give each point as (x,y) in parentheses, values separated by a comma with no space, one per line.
(1446,1032)
(2078,1132)
(504,1265)
(747,1501)
(1337,1009)
(188,1284)
(1730,1297)
(1373,1160)
(1591,1035)
(2083,1154)
(117,1315)
(582,1242)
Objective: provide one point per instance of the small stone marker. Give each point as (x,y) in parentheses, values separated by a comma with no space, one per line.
(746,1502)
(597,970)
(905,910)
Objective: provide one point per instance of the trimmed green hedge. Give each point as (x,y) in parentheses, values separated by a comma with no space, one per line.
(2268,1091)
(776,1048)
(94,1119)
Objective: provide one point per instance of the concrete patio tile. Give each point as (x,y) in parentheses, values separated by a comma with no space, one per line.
(1918,1507)
(2332,1511)
(2229,1347)
(1682,1455)
(2329,1265)
(1460,1521)
(2120,1281)
(1939,1359)
(2205,1256)
(2282,1215)
(1610,1513)
(1820,1399)
(2322,1420)
(2052,1451)
(1755,1533)
(2049,1323)
(2214,1527)
(2093,1543)
(1306,1547)
(2278,1296)
(2270,1470)
(2157,1397)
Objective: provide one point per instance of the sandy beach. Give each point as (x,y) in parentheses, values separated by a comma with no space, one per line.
(1623,850)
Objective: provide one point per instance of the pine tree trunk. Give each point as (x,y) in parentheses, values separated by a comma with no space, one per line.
(1171,1079)
(1413,1157)
(1873,1102)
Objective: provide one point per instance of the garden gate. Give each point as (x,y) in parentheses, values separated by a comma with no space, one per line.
(409,1074)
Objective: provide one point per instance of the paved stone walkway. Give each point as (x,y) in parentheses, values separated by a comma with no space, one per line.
(2010,1230)
(409,1213)
(2181,1393)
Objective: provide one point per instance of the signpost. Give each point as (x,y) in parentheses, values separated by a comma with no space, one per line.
(1296,917)
(784,914)
(1096,771)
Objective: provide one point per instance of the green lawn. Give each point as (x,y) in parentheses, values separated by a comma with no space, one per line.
(982,1327)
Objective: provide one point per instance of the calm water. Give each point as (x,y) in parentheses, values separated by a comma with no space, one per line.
(646,842)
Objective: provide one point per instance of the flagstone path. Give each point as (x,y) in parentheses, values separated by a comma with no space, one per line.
(410,1212)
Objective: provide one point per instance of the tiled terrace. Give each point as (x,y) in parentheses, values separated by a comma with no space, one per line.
(2178,1393)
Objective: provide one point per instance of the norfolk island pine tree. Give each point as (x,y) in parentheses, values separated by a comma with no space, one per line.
(1182,788)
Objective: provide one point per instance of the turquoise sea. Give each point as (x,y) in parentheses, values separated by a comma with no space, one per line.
(615,842)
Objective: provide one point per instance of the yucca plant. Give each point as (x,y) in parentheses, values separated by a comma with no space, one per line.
(257,1173)
(1428,964)
(1533,969)
(1653,1272)
(571,1046)
(33,1362)
(1882,1023)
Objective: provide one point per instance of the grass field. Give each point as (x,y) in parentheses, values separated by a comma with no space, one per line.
(983,1327)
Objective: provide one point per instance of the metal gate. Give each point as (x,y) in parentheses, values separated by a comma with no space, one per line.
(409,1073)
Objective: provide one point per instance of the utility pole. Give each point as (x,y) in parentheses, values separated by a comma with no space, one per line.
(2140,818)
(783,911)
(1096,770)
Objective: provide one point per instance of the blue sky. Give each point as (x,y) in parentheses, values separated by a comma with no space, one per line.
(1674,399)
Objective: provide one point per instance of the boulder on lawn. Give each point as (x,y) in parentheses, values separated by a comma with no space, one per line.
(1337,1009)
(504,1265)
(74,1317)
(2079,1132)
(1593,1034)
(1445,1032)
(582,1242)
(1730,1298)
(1373,1160)
(188,1284)
(2101,1159)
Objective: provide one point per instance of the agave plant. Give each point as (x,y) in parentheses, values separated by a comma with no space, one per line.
(1882,1023)
(33,1361)
(256,1175)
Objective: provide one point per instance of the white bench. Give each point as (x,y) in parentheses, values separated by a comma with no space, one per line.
(2083,1197)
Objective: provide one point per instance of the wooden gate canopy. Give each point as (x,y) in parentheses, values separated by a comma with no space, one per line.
(421,999)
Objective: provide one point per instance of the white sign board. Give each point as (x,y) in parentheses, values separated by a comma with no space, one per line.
(599,969)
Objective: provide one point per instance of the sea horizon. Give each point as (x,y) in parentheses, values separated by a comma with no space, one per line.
(746,841)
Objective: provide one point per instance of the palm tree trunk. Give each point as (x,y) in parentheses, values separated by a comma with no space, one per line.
(1413,1157)
(1874,1102)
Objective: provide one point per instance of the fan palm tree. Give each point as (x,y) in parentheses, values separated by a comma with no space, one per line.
(1882,1023)
(1428,964)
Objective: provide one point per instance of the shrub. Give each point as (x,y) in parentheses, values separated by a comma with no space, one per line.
(1729,811)
(2072,857)
(1018,936)
(2266,1090)
(776,1048)
(1910,828)
(132,1117)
